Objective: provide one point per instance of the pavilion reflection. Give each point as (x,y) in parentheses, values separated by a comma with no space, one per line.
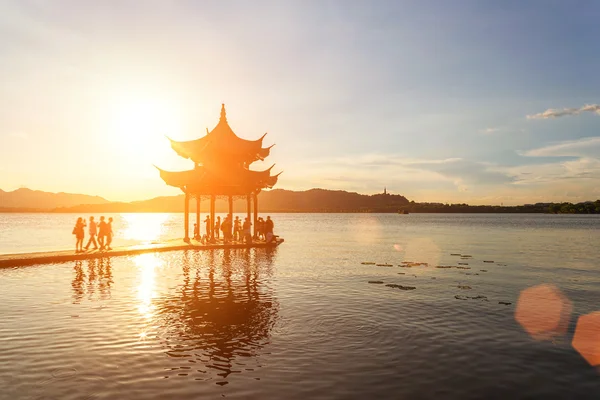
(95,279)
(222,314)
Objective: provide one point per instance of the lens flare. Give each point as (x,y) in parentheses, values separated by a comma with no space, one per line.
(543,311)
(587,337)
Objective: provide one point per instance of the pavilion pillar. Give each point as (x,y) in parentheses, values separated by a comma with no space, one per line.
(255,199)
(230,229)
(186,220)
(198,212)
(248,207)
(212,217)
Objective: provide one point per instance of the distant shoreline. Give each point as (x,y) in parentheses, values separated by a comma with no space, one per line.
(18,211)
(274,201)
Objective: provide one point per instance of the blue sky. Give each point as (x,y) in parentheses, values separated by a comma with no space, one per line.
(483,102)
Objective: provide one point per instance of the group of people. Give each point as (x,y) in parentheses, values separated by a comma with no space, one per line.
(236,230)
(102,231)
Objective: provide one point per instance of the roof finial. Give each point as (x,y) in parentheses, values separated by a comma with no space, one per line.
(223,114)
(384,190)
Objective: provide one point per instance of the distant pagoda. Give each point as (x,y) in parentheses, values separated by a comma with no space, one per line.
(221,169)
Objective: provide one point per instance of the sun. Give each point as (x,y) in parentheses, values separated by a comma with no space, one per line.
(140,125)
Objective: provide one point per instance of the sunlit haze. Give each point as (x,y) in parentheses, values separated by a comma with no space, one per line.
(444,101)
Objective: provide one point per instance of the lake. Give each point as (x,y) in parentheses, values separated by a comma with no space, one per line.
(301,321)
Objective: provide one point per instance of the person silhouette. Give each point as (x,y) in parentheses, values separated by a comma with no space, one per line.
(93,230)
(196,232)
(79,232)
(247,231)
(102,232)
(269,225)
(217,227)
(237,229)
(109,233)
(207,223)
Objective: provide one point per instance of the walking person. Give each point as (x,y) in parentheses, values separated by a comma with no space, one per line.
(79,232)
(217,227)
(102,232)
(93,230)
(109,234)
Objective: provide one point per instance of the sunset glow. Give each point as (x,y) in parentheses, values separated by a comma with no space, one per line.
(431,100)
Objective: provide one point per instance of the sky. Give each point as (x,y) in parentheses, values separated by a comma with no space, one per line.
(480,102)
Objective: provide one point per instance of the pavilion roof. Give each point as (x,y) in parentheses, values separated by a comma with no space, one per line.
(203,180)
(221,143)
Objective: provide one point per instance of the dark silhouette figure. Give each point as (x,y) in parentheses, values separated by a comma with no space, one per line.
(226,228)
(247,227)
(217,227)
(102,232)
(269,226)
(196,232)
(93,230)
(79,232)
(109,233)
(237,229)
(260,228)
(207,223)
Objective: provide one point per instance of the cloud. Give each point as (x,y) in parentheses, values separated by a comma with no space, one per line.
(584,168)
(489,131)
(555,113)
(572,148)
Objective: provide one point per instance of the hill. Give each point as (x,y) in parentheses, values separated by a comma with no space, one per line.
(278,200)
(36,199)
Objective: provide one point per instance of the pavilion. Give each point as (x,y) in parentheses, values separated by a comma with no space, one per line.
(221,170)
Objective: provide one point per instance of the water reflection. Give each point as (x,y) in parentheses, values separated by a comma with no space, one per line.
(96,279)
(221,315)
(147,265)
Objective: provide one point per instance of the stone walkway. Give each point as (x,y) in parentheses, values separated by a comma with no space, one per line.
(48,257)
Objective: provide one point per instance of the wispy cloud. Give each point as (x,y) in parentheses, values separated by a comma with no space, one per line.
(584,168)
(571,148)
(555,113)
(489,131)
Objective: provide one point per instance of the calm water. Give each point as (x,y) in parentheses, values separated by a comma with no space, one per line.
(300,321)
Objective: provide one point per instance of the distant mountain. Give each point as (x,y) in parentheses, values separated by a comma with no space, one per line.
(278,200)
(321,200)
(36,199)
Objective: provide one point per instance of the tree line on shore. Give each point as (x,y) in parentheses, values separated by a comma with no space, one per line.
(588,207)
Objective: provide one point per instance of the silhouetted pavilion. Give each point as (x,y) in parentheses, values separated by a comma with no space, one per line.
(221,169)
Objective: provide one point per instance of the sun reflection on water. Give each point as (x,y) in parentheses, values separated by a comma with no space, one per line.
(147,264)
(144,227)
